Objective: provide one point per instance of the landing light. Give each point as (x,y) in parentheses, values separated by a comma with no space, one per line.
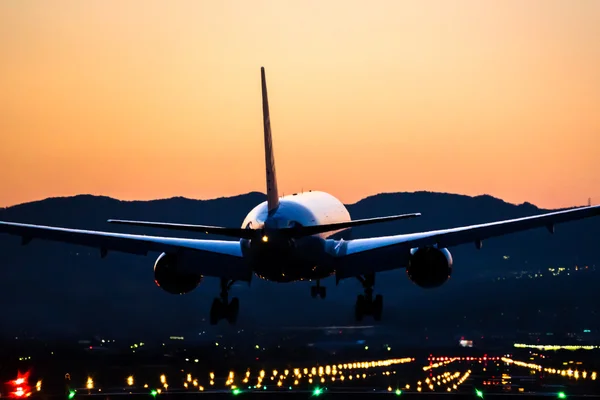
(265,238)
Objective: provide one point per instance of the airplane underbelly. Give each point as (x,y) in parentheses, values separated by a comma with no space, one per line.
(287,264)
(288,269)
(283,259)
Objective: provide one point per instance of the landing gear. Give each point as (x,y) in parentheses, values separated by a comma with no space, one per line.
(365,304)
(221,307)
(318,290)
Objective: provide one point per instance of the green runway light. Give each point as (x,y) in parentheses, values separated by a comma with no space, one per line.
(317,391)
(236,392)
(154,393)
(71,394)
(562,395)
(479,393)
(398,392)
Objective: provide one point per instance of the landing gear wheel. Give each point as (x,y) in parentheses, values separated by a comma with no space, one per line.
(322,292)
(221,307)
(359,308)
(365,304)
(232,310)
(216,311)
(318,290)
(377,307)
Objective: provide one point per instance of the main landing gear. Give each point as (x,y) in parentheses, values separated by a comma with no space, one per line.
(365,304)
(318,290)
(222,308)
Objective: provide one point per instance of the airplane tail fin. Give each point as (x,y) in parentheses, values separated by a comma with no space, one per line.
(272,193)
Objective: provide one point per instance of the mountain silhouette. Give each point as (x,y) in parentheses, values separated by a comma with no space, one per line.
(56,288)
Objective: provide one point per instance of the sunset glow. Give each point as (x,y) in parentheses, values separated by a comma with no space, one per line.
(152,99)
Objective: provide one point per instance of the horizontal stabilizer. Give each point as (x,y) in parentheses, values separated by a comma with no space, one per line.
(300,231)
(238,233)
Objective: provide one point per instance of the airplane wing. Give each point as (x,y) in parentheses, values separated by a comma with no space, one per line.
(217,258)
(363,256)
(238,233)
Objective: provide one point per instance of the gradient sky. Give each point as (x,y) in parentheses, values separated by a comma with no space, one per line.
(153,99)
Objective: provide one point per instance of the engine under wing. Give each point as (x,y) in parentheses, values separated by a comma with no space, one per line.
(364,256)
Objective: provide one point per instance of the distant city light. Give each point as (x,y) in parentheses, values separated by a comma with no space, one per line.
(555,347)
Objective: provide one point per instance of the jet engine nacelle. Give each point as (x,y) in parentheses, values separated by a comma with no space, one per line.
(429,267)
(169,275)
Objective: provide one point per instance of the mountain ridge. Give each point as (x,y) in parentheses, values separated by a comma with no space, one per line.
(255,192)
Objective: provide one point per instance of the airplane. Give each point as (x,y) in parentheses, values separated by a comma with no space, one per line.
(303,236)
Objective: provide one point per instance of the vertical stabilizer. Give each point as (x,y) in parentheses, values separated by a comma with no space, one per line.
(272,193)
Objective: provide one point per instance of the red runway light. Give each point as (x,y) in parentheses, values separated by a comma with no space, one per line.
(20,386)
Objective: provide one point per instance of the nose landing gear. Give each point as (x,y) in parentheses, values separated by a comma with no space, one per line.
(221,307)
(365,304)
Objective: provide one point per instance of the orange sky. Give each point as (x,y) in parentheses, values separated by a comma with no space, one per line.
(152,99)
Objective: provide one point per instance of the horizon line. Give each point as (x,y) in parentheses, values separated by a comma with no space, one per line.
(259,192)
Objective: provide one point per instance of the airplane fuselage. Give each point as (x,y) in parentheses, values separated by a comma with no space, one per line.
(281,259)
